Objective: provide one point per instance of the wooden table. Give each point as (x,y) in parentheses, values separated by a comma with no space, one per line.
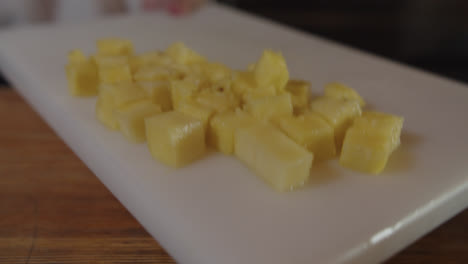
(54,210)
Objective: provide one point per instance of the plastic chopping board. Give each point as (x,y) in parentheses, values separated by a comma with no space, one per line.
(216,211)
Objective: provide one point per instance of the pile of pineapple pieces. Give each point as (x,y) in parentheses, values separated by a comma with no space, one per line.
(180,103)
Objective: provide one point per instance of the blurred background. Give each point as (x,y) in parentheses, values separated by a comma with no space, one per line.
(429,34)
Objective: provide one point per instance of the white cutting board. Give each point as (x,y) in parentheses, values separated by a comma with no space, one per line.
(218,212)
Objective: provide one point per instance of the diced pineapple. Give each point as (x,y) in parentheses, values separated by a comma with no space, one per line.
(181,91)
(258,93)
(267,108)
(131,119)
(115,74)
(243,82)
(222,128)
(277,159)
(124,93)
(105,113)
(312,132)
(103,61)
(215,72)
(182,54)
(370,141)
(251,67)
(152,73)
(76,56)
(221,101)
(339,114)
(364,152)
(196,110)
(112,97)
(300,93)
(114,47)
(147,59)
(82,77)
(381,123)
(341,91)
(271,70)
(246,88)
(175,138)
(159,92)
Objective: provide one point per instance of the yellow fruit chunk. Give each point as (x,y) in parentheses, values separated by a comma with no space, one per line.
(175,139)
(112,97)
(300,93)
(76,56)
(82,77)
(215,72)
(182,54)
(243,82)
(131,119)
(105,113)
(152,73)
(114,47)
(271,70)
(106,60)
(339,114)
(181,91)
(365,153)
(146,59)
(196,110)
(159,93)
(222,128)
(370,141)
(381,123)
(274,157)
(115,74)
(219,102)
(113,69)
(341,91)
(268,108)
(312,132)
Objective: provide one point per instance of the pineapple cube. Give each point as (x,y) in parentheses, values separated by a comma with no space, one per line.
(76,56)
(365,152)
(273,156)
(341,91)
(106,60)
(105,113)
(123,93)
(159,92)
(300,93)
(243,82)
(370,141)
(215,72)
(147,59)
(312,132)
(114,47)
(221,101)
(182,91)
(381,123)
(82,78)
(222,128)
(268,108)
(196,110)
(339,114)
(271,70)
(112,97)
(131,119)
(182,54)
(175,138)
(251,67)
(113,70)
(152,73)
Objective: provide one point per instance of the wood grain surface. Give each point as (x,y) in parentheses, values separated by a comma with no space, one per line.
(54,210)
